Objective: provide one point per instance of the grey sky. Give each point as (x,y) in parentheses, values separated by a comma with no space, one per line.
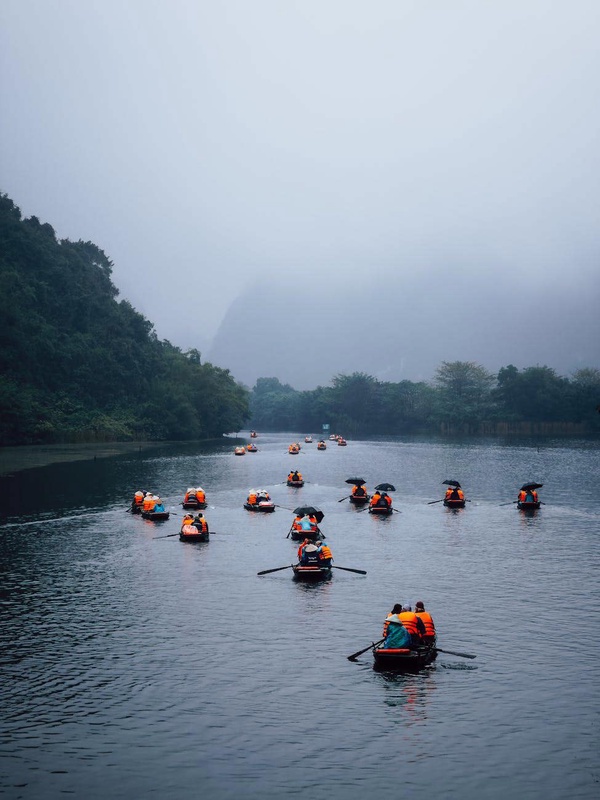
(210,145)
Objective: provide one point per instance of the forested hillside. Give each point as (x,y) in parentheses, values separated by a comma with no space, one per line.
(77,364)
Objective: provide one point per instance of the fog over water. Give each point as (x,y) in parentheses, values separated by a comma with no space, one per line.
(402,182)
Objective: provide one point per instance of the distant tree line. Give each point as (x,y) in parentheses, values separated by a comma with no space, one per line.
(463,398)
(76,364)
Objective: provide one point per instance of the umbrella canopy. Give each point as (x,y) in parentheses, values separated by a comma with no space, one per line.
(452,483)
(355,481)
(385,487)
(527,486)
(311,511)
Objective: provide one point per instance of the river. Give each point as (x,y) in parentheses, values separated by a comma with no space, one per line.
(141,667)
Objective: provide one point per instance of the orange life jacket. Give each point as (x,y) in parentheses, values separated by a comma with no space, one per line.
(148,504)
(252,499)
(409,620)
(201,497)
(427,621)
(522,496)
(202,523)
(325,552)
(375,499)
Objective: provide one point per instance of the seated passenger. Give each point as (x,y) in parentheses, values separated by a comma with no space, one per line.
(412,623)
(158,505)
(309,556)
(200,495)
(252,498)
(148,503)
(200,523)
(427,620)
(375,498)
(324,554)
(359,491)
(396,635)
(190,495)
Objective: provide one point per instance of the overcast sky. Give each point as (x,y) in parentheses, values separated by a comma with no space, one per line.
(211,145)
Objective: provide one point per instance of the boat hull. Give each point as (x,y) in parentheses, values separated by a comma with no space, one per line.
(296,484)
(403,660)
(381,511)
(359,501)
(265,508)
(311,574)
(455,503)
(300,536)
(321,447)
(194,537)
(155,516)
(522,506)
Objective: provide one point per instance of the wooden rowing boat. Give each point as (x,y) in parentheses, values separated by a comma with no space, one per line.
(383,511)
(190,533)
(265,507)
(454,503)
(359,500)
(404,659)
(311,573)
(155,516)
(533,505)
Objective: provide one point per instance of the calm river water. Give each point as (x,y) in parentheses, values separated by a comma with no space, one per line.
(136,667)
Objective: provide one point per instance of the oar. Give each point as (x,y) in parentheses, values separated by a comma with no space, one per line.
(395,510)
(344,498)
(347,569)
(166,537)
(354,656)
(266,571)
(453,653)
(284,507)
(509,504)
(435,501)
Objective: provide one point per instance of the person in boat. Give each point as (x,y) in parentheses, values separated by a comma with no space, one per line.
(158,505)
(301,547)
(190,495)
(324,554)
(359,491)
(148,502)
(309,555)
(394,632)
(252,497)
(295,475)
(200,495)
(381,500)
(427,620)
(412,623)
(454,493)
(187,520)
(263,496)
(375,498)
(200,523)
(138,500)
(308,523)
(528,496)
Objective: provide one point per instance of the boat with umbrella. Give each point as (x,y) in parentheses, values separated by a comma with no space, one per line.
(381,507)
(528,498)
(454,500)
(300,529)
(359,495)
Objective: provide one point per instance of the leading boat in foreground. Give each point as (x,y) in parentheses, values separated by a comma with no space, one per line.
(404,659)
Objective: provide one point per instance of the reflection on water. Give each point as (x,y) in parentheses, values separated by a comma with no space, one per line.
(137,666)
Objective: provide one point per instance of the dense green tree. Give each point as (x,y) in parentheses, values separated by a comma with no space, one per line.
(465,392)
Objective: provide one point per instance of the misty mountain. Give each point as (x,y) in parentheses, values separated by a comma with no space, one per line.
(404,327)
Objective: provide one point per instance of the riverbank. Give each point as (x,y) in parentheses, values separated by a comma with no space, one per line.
(17,459)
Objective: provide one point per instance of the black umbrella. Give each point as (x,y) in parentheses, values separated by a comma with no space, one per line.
(385,487)
(527,486)
(310,511)
(452,483)
(355,481)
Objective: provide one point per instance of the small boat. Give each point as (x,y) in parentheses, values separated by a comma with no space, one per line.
(455,503)
(532,505)
(253,434)
(321,446)
(293,449)
(190,533)
(251,448)
(155,516)
(404,659)
(382,511)
(296,484)
(342,442)
(266,506)
(360,500)
(308,439)
(311,573)
(333,437)
(239,451)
